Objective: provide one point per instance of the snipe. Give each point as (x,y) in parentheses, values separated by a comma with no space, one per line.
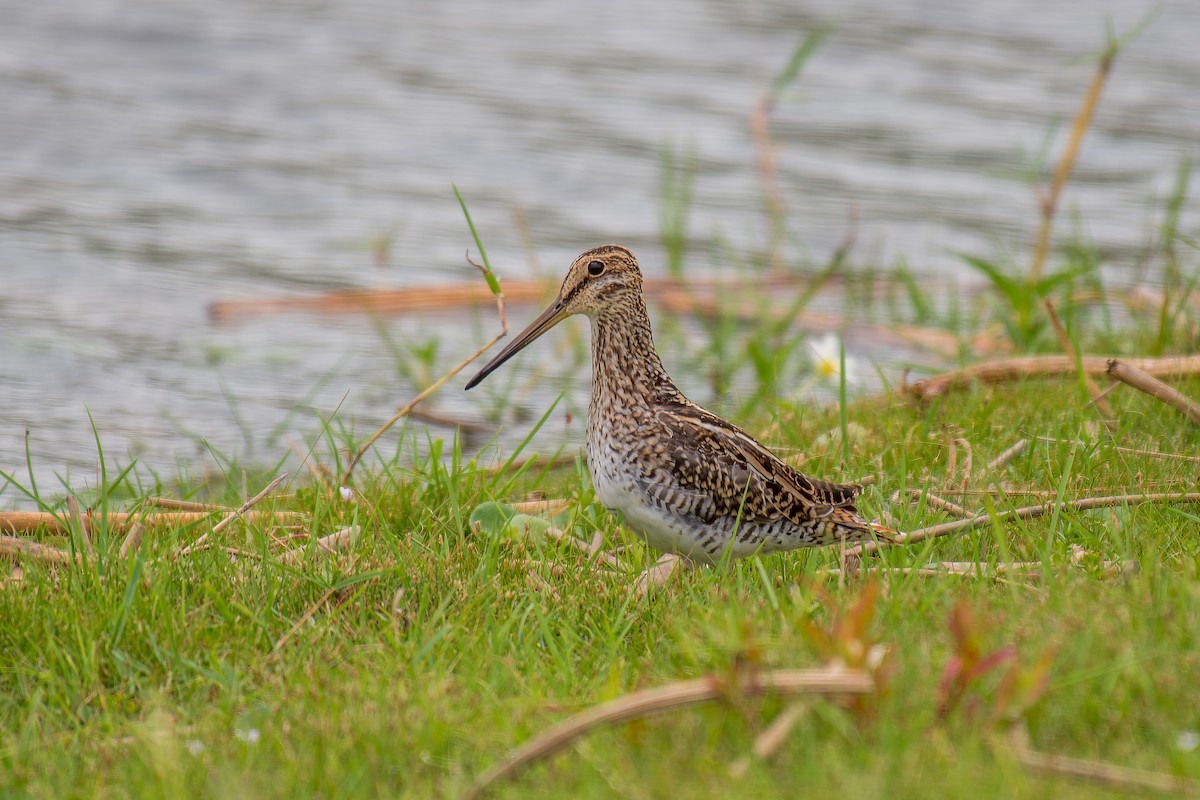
(684,479)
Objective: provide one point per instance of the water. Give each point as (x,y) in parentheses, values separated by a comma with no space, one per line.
(157,156)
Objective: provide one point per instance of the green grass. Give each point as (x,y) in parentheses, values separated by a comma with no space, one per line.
(435,653)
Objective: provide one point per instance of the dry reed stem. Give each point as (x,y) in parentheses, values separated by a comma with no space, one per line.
(969,569)
(235,514)
(551,506)
(772,738)
(951,456)
(828,683)
(234,552)
(172,504)
(1023,367)
(669,294)
(553,463)
(1143,298)
(1098,397)
(967,460)
(249,504)
(941,503)
(25,522)
(1049,203)
(421,298)
(760,131)
(432,417)
(305,617)
(1152,386)
(1133,451)
(1112,775)
(330,544)
(314,467)
(1008,456)
(685,301)
(15,576)
(1026,512)
(13,548)
(133,540)
(382,301)
(438,384)
(1021,491)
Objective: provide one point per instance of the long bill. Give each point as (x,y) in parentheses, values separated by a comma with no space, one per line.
(553,315)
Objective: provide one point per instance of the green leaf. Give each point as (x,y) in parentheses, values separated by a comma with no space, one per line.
(498,519)
(492,281)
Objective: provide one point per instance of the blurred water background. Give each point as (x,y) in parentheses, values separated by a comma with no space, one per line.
(157,156)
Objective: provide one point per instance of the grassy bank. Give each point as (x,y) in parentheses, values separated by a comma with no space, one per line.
(414,660)
(417,651)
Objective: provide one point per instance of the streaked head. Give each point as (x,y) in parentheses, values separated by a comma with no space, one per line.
(597,279)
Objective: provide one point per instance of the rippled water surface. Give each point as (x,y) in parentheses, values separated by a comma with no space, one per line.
(158,156)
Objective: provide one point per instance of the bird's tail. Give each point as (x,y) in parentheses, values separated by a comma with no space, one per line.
(885,534)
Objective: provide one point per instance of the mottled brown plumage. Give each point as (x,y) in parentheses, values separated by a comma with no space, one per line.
(681,477)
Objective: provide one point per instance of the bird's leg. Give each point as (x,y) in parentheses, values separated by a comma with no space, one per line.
(656,575)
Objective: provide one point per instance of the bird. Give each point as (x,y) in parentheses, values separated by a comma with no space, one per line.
(683,479)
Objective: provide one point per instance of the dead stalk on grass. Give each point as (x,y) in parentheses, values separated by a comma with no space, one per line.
(1008,456)
(772,738)
(1025,512)
(172,504)
(236,514)
(940,503)
(1100,772)
(305,617)
(826,683)
(1083,119)
(1133,451)
(967,569)
(1006,370)
(552,463)
(133,540)
(26,522)
(1144,382)
(550,506)
(1098,398)
(326,545)
(13,548)
(314,467)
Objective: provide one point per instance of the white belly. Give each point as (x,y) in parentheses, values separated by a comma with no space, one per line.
(662,530)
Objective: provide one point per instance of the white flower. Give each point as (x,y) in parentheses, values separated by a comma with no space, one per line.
(347,493)
(827,357)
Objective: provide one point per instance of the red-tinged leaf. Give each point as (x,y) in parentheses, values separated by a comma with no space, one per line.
(988,663)
(950,686)
(965,631)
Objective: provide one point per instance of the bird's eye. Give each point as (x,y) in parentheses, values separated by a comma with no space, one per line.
(595,268)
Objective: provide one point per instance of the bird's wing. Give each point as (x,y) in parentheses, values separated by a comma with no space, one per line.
(712,456)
